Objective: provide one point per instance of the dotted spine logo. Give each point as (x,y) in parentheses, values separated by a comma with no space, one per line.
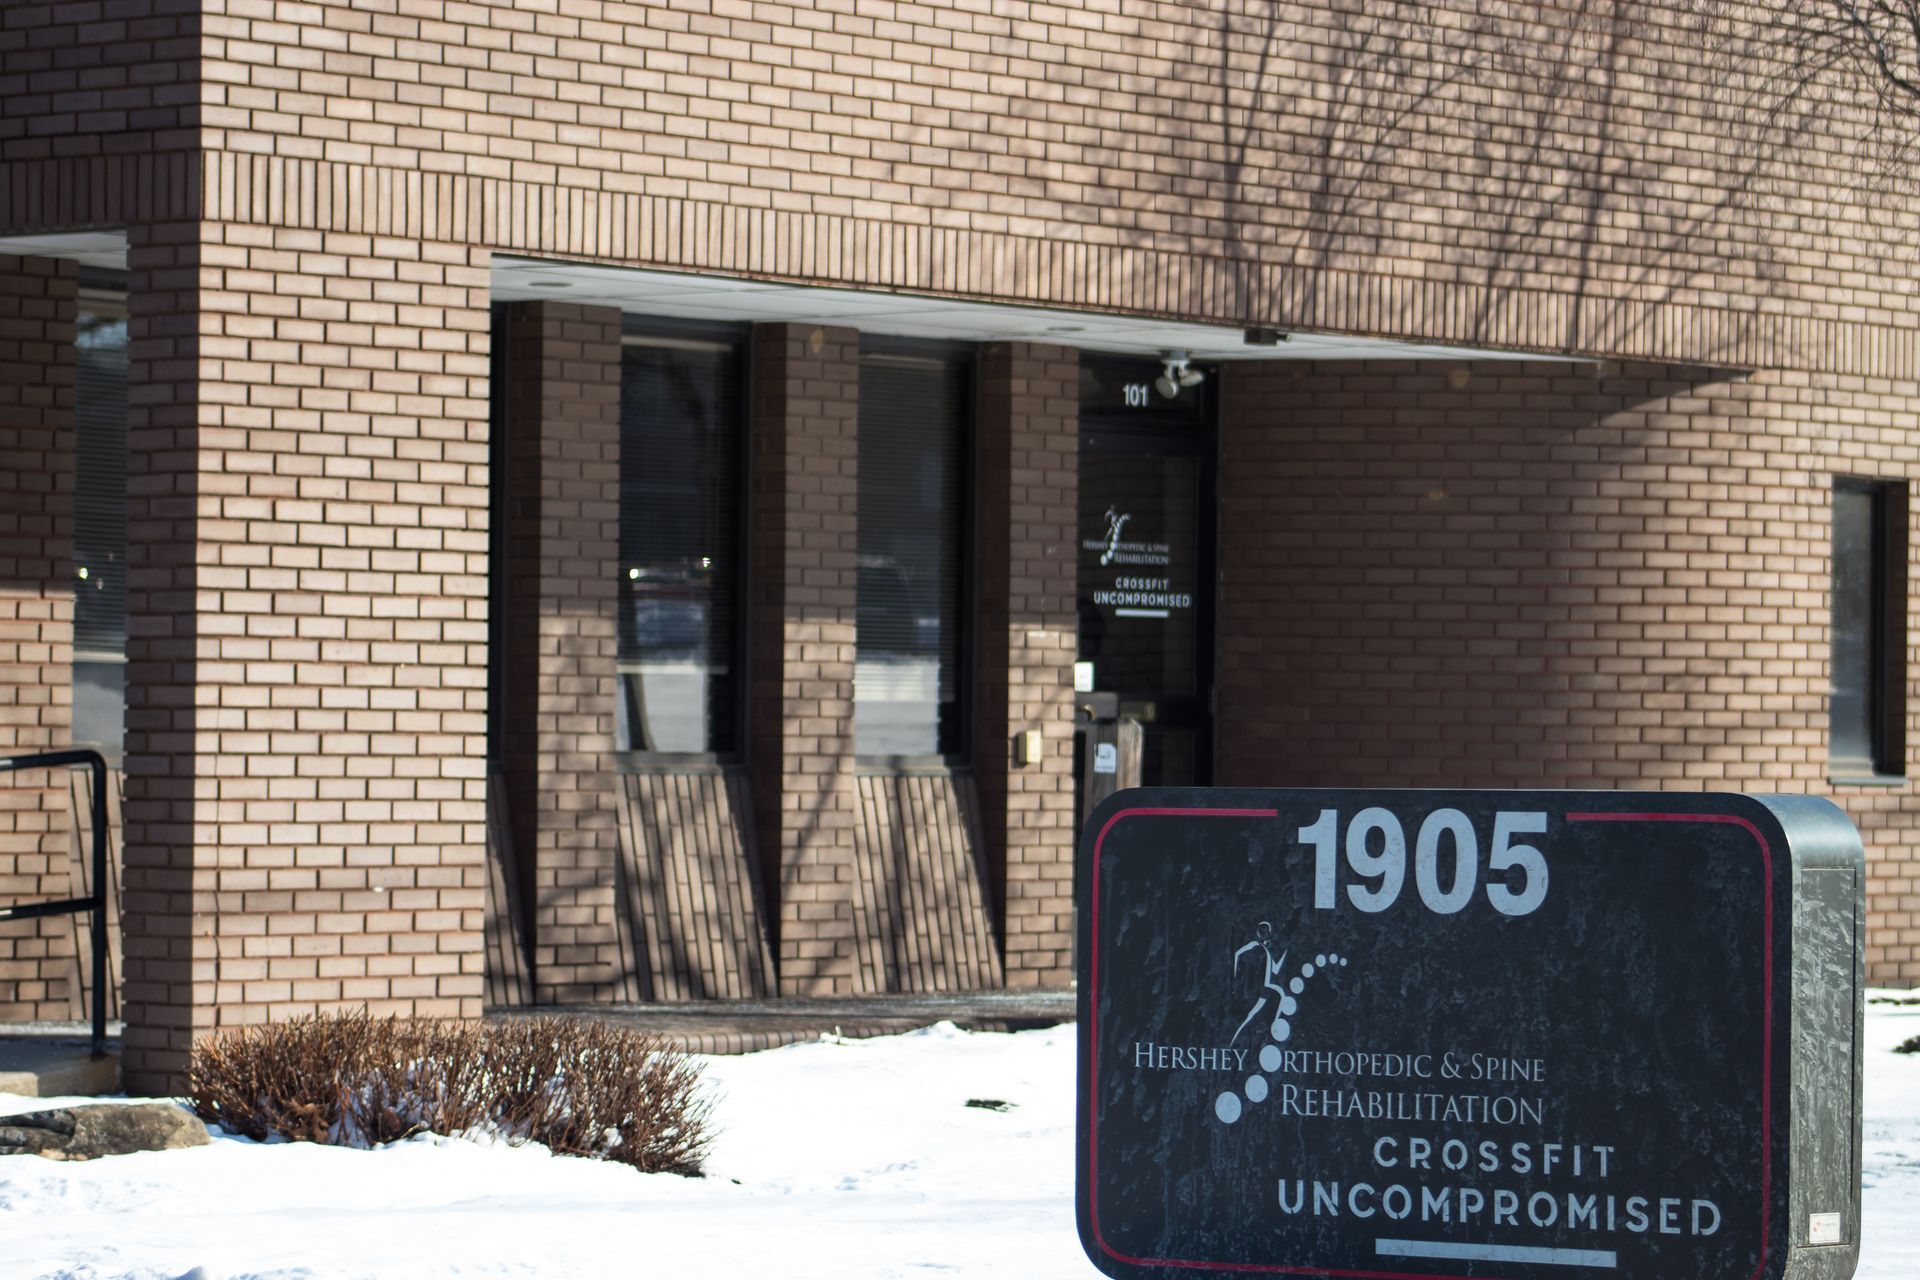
(1280,992)
(1116,521)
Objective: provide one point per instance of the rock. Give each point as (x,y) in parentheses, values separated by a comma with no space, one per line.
(82,1133)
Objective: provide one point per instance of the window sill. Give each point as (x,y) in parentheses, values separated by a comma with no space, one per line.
(1867,780)
(697,762)
(903,766)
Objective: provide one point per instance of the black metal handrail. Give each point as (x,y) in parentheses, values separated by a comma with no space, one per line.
(95,902)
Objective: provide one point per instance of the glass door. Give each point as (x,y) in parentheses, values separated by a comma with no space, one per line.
(1146,575)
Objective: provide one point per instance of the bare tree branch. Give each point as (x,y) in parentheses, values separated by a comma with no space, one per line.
(1851,68)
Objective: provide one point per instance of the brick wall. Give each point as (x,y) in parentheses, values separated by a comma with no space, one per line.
(805,451)
(1024,645)
(562,548)
(167,950)
(311,191)
(100,113)
(1538,576)
(305,762)
(37,315)
(1578,176)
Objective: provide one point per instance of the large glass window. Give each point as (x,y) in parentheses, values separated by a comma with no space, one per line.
(680,483)
(1867,708)
(907,687)
(100,519)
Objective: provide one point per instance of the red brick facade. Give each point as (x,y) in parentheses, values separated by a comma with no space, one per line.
(562,540)
(1601,574)
(305,753)
(1540,576)
(1028,451)
(38,300)
(806,388)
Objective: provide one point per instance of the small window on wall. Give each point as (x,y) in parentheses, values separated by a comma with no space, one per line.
(1867,706)
(680,506)
(100,518)
(907,687)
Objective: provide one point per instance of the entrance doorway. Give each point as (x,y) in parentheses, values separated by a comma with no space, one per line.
(1146,561)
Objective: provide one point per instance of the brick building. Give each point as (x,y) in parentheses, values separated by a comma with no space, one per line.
(572,501)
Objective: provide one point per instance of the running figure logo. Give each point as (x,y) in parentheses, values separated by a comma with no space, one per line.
(1270,971)
(1278,992)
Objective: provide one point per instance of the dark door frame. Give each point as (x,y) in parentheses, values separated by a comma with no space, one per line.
(1190,432)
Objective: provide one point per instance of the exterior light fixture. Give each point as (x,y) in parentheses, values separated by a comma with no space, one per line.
(1260,336)
(1180,373)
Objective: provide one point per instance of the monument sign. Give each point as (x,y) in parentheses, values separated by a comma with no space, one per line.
(1399,1034)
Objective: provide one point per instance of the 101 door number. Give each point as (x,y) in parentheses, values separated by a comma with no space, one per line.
(1376,849)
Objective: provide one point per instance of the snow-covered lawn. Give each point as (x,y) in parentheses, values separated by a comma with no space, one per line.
(837,1159)
(1890,1142)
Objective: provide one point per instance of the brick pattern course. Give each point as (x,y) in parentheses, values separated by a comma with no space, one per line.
(305,761)
(167,950)
(1025,637)
(805,446)
(100,113)
(38,300)
(1614,577)
(1587,176)
(563,538)
(1498,575)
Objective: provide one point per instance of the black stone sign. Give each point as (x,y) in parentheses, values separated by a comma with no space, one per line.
(1511,1034)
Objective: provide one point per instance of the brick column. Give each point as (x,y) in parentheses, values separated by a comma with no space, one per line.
(805,456)
(1025,636)
(305,757)
(37,312)
(562,596)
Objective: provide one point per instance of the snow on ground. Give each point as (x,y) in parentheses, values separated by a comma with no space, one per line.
(1890,1141)
(837,1159)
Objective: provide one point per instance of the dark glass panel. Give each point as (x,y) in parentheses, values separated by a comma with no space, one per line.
(907,694)
(680,420)
(100,483)
(1140,593)
(1849,709)
(100,523)
(1119,391)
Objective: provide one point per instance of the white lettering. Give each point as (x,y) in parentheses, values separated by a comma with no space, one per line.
(1389,864)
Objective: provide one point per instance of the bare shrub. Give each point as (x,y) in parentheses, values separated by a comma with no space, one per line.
(578,1087)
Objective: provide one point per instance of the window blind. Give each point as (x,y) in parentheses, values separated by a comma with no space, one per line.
(100,482)
(907,685)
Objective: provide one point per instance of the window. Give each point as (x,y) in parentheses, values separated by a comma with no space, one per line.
(680,542)
(907,688)
(100,518)
(1867,709)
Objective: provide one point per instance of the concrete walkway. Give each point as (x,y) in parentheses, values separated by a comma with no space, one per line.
(744,1026)
(54,1059)
(51,1059)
